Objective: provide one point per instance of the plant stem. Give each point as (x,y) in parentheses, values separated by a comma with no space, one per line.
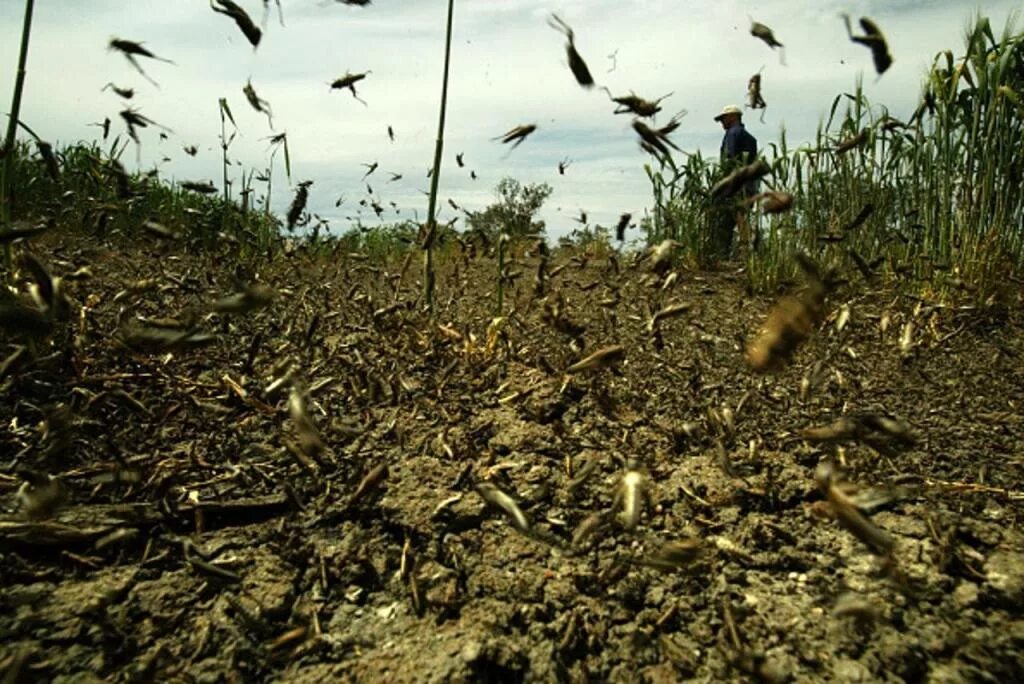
(12,123)
(428,241)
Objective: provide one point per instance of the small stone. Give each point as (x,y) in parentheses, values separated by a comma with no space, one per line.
(471,652)
(1005,573)
(966,594)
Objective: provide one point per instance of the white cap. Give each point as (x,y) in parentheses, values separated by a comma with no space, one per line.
(729,109)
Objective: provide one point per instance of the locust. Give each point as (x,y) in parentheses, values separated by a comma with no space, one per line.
(153,339)
(855,522)
(369,483)
(853,141)
(732,183)
(518,134)
(126,93)
(258,103)
(620,227)
(202,187)
(759,30)
(576,64)
(563,165)
(349,81)
(40,495)
(661,255)
(873,40)
(866,268)
(132,118)
(256,296)
(670,311)
(502,501)
(131,50)
(245,24)
(754,98)
(45,150)
(298,204)
(632,495)
(19,231)
(391,134)
(588,527)
(116,169)
(602,358)
(191,150)
(635,104)
(105,125)
(673,555)
(25,321)
(370,169)
(655,138)
(161,231)
(458,159)
(791,321)
(773,201)
(310,441)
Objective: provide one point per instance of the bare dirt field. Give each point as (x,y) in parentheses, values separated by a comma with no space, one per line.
(216,521)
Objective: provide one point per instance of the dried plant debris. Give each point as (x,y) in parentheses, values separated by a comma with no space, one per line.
(873,40)
(576,63)
(245,24)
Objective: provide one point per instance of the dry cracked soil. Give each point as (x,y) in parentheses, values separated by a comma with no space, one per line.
(215,521)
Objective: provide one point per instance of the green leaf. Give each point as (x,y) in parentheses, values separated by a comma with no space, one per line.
(225,109)
(287,161)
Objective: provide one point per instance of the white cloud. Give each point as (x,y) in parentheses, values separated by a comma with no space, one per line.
(508,68)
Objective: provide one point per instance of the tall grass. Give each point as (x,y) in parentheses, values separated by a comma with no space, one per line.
(944,185)
(88,197)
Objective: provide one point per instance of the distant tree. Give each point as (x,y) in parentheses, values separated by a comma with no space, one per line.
(515,210)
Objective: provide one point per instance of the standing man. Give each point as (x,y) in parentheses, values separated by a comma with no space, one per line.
(739,148)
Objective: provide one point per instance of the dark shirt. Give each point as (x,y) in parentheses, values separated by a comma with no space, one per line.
(739,145)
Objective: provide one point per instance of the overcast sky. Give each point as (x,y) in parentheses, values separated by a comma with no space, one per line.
(508,67)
